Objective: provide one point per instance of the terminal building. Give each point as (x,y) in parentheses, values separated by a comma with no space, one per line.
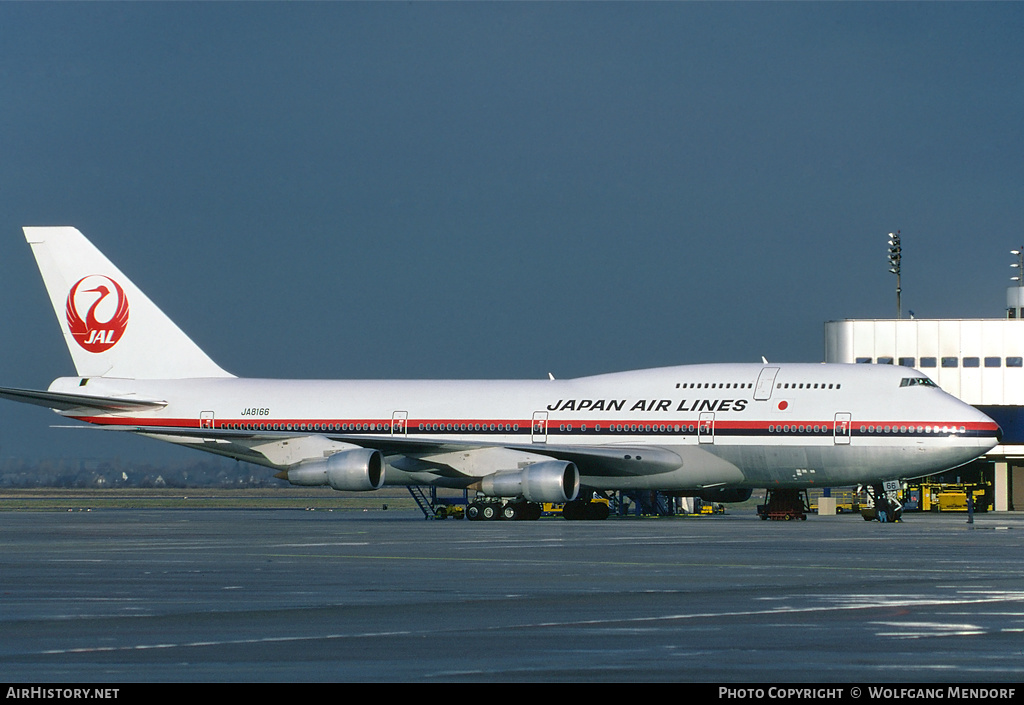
(980,361)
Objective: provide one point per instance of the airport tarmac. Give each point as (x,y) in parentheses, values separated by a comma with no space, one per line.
(124,595)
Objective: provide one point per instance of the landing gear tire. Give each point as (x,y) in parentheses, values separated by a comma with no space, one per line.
(509,512)
(473,512)
(530,511)
(488,512)
(584,509)
(572,511)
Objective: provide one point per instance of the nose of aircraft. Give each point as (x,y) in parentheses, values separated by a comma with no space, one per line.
(980,426)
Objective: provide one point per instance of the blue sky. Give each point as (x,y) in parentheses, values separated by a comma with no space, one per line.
(500,190)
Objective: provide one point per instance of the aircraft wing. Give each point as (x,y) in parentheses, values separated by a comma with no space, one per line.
(63,401)
(388,445)
(612,461)
(599,461)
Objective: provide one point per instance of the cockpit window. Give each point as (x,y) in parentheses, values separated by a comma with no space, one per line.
(917,382)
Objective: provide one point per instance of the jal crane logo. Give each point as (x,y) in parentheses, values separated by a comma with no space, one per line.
(106,312)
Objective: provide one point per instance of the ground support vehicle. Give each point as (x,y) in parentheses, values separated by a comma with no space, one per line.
(784,505)
(596,508)
(947,497)
(702,508)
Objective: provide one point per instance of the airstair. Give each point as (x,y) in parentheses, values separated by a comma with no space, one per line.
(428,503)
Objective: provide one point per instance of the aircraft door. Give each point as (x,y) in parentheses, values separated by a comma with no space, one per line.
(206,419)
(706,427)
(540,427)
(765,384)
(842,428)
(399,421)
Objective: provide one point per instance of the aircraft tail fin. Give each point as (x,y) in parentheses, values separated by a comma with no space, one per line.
(111,328)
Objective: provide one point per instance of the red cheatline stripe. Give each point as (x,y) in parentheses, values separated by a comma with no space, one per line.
(606,425)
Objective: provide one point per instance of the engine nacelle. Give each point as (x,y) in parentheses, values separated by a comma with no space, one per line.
(547,481)
(357,470)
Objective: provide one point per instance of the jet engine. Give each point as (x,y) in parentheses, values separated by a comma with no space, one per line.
(546,481)
(360,469)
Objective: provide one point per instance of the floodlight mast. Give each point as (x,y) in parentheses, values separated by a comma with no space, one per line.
(1015,295)
(895,255)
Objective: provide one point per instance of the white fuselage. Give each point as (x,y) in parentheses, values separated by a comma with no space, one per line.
(675,428)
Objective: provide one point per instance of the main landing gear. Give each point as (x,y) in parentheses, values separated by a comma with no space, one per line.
(784,505)
(490,509)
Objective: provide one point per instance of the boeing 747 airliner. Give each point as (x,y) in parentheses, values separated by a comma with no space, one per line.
(716,430)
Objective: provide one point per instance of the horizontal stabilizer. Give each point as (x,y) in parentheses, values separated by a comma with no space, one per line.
(62,401)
